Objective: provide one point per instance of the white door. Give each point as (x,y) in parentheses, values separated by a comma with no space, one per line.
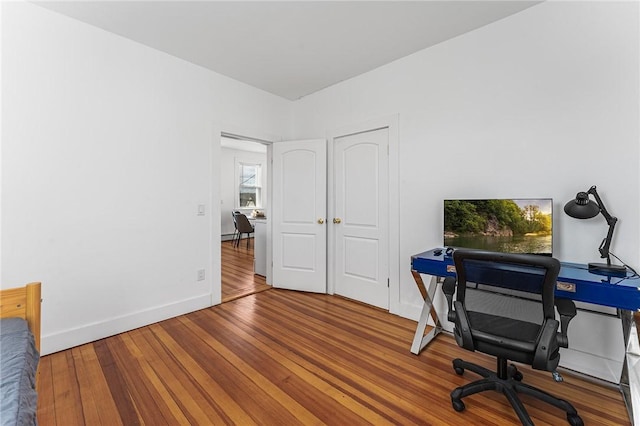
(361,217)
(299,215)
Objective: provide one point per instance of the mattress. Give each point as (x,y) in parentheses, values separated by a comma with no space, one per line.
(18,364)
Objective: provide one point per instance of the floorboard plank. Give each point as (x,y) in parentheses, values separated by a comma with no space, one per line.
(97,406)
(46,398)
(116,382)
(65,389)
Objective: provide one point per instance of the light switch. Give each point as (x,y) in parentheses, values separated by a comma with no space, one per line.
(200,209)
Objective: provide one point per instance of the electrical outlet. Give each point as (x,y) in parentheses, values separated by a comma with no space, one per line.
(200,274)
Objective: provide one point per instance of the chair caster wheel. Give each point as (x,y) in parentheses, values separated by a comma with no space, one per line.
(557,377)
(514,373)
(458,366)
(574,420)
(457,405)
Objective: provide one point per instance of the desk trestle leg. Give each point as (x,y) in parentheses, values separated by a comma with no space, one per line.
(420,340)
(630,378)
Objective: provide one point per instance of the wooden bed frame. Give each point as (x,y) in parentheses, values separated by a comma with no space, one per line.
(23,302)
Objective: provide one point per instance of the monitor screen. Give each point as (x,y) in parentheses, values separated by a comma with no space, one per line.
(505,225)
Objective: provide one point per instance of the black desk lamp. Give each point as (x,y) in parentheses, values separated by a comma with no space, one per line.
(584,208)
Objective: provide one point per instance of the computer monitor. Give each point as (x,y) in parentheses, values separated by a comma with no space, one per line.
(518,225)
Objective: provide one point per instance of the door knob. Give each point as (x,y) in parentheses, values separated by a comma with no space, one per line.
(320,221)
(336,220)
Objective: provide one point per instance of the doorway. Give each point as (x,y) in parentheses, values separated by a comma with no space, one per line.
(243,190)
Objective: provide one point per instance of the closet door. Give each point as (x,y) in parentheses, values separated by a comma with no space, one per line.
(361,249)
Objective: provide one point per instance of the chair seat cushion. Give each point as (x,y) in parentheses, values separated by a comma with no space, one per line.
(506,332)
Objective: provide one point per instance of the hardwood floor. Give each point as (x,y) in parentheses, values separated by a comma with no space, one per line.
(284,358)
(238,279)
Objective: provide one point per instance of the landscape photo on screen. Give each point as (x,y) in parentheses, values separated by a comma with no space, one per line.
(503,225)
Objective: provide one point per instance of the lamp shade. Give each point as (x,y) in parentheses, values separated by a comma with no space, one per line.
(582,207)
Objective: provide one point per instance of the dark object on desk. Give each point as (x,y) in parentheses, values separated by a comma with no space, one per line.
(437,252)
(583,208)
(487,327)
(449,251)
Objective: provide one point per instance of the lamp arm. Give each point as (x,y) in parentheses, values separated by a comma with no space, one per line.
(606,243)
(611,221)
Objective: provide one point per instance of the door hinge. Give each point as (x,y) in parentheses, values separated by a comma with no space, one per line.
(387,282)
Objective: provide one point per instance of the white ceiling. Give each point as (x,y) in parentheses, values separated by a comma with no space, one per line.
(289,48)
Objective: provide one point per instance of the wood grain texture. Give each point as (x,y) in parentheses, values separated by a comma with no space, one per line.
(284,358)
(23,302)
(238,279)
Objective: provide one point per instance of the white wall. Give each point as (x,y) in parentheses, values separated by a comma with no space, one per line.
(541,104)
(1,104)
(107,149)
(229,184)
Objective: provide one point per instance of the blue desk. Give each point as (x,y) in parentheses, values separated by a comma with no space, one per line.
(574,282)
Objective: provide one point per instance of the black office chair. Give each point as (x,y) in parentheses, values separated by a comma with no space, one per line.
(504,307)
(244,227)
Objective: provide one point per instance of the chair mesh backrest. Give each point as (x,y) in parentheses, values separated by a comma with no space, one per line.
(508,285)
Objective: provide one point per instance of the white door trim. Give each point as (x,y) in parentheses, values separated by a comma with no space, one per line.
(392,123)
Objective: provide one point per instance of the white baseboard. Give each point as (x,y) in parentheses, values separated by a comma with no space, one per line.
(407,311)
(91,332)
(591,365)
